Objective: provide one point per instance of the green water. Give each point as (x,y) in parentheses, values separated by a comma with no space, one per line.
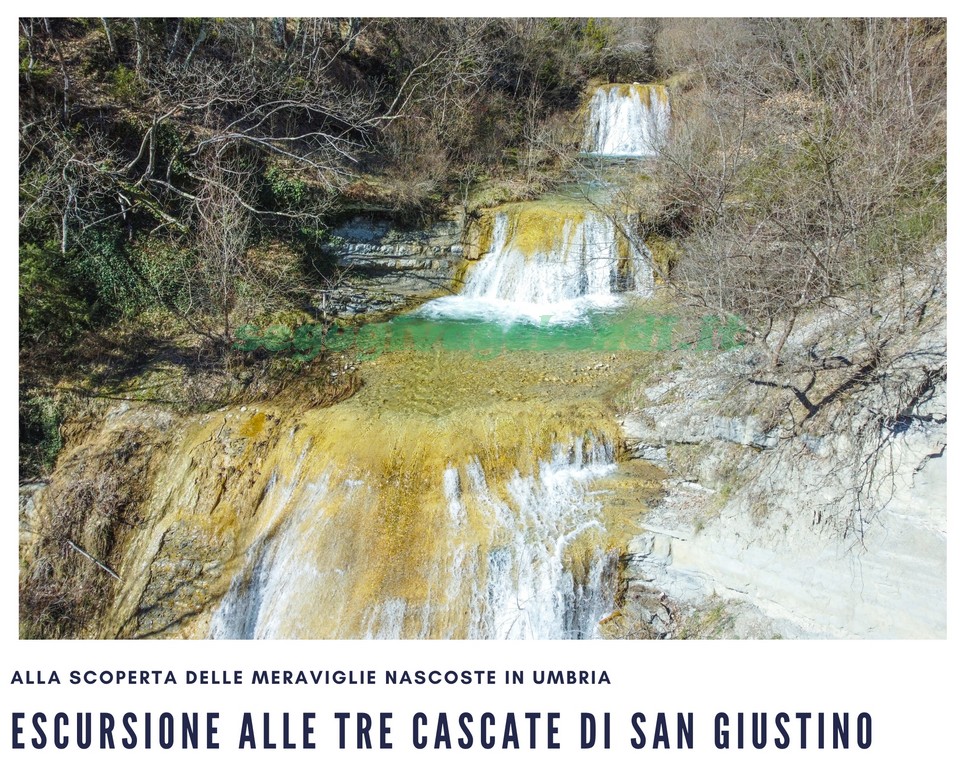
(634,327)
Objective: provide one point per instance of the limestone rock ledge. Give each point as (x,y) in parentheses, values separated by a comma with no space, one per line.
(384,267)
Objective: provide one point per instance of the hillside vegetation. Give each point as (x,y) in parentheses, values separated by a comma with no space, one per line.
(178,177)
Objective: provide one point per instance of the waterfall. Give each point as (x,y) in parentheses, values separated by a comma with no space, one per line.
(523,559)
(455,495)
(627,120)
(541,260)
(425,506)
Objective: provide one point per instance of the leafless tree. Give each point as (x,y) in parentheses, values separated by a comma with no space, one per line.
(807,152)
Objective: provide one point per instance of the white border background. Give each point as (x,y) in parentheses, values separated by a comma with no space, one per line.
(908,687)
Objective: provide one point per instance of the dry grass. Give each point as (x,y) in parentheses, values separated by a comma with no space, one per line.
(93,499)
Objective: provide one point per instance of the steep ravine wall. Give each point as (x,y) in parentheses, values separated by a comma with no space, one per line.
(835,528)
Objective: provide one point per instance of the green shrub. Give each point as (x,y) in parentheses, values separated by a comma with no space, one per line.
(52,306)
(40,439)
(125,85)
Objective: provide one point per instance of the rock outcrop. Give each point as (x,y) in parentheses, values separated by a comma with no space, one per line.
(385,267)
(808,503)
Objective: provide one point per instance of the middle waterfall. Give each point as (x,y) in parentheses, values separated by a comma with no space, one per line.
(548,259)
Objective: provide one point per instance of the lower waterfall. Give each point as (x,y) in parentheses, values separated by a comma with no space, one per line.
(528,561)
(450,497)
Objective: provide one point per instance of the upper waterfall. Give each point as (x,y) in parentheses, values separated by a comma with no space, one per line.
(540,259)
(627,120)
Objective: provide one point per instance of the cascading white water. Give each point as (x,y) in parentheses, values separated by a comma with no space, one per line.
(527,561)
(531,589)
(627,120)
(549,262)
(411,538)
(582,261)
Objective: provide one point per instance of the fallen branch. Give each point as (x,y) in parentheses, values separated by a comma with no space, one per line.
(94,560)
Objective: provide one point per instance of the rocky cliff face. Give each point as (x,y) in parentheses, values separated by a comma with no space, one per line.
(803,504)
(386,267)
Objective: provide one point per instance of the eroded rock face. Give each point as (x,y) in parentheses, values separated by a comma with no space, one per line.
(824,518)
(386,267)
